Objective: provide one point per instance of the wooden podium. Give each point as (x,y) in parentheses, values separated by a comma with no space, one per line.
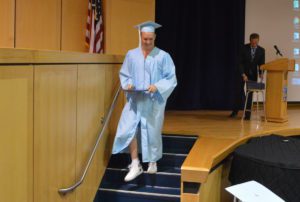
(276,88)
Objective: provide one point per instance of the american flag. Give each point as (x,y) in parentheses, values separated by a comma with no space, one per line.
(94,27)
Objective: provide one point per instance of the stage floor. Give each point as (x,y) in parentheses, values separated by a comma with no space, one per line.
(220,135)
(217,124)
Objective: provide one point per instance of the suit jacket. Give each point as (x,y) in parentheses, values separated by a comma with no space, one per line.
(247,65)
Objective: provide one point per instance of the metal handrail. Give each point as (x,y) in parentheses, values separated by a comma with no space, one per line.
(64,191)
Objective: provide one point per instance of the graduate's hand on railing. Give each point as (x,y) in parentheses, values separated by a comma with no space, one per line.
(130,87)
(152,89)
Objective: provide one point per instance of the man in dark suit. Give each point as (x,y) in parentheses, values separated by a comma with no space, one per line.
(251,57)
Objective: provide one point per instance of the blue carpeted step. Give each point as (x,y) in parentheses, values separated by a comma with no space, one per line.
(168,163)
(172,160)
(178,144)
(159,179)
(160,187)
(134,193)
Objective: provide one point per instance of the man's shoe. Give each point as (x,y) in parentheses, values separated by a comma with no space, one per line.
(247,115)
(233,115)
(247,118)
(152,168)
(134,171)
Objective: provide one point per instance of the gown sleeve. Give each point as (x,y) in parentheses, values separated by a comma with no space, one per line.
(125,72)
(166,85)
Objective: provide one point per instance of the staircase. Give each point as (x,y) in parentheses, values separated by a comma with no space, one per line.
(160,187)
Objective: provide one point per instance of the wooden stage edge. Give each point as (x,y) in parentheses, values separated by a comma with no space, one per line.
(220,135)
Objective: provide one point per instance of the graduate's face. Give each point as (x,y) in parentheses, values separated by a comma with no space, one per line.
(147,40)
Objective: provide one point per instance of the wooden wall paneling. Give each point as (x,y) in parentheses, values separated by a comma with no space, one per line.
(14,56)
(112,82)
(74,16)
(90,110)
(55,97)
(38,24)
(16,139)
(96,88)
(211,189)
(225,195)
(120,18)
(7,23)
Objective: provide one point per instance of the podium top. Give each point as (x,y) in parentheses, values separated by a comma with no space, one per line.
(282,64)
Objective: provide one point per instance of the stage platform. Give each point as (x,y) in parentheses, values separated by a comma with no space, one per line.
(219,136)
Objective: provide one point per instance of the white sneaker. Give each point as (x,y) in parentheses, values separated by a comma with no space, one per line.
(134,171)
(152,168)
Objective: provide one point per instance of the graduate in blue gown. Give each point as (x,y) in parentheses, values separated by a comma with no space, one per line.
(148,75)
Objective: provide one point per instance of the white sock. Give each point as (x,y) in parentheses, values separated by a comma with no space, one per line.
(135,162)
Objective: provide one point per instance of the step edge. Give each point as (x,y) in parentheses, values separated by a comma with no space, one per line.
(176,169)
(139,193)
(175,154)
(149,186)
(145,172)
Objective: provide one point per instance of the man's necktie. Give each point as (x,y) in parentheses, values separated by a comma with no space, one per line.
(253,53)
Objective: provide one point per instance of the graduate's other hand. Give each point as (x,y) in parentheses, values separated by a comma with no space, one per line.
(130,87)
(152,89)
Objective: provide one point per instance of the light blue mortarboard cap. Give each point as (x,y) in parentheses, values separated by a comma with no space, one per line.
(148,26)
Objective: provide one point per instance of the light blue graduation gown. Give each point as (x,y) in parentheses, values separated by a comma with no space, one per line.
(145,110)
